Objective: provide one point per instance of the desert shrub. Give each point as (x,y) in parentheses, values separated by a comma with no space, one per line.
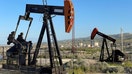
(127,64)
(128,70)
(76,71)
(116,69)
(120,69)
(100,66)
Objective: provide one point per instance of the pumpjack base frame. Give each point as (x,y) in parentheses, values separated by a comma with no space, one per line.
(33,69)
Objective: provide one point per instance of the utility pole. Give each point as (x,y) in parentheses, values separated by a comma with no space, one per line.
(121,39)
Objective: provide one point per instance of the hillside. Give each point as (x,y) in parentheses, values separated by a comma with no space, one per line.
(127,39)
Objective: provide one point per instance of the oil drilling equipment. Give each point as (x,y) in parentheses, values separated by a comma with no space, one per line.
(19,56)
(115,55)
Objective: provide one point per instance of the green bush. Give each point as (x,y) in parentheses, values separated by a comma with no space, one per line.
(127,64)
(99,67)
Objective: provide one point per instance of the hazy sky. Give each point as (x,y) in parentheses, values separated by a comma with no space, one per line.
(107,15)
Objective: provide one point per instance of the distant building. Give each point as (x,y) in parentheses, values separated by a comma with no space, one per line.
(81,44)
(62,46)
(96,44)
(89,45)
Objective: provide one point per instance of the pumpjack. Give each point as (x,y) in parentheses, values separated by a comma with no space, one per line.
(16,55)
(115,54)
